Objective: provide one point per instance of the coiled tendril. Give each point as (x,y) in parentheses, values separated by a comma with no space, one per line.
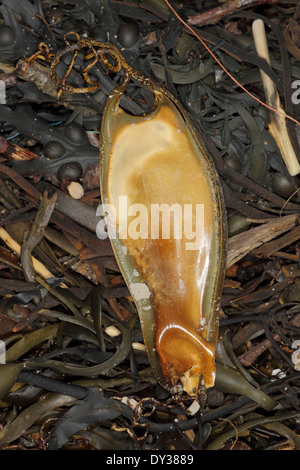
(96,51)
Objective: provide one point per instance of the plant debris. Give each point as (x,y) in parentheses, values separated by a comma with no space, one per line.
(75,373)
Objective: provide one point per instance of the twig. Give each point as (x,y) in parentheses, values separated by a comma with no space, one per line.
(243,243)
(277,126)
(13,245)
(15,152)
(40,75)
(250,356)
(20,181)
(268,249)
(214,15)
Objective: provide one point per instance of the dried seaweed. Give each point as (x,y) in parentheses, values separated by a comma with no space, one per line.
(77,373)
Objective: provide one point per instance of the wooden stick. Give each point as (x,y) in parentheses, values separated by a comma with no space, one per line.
(13,245)
(277,126)
(243,243)
(215,15)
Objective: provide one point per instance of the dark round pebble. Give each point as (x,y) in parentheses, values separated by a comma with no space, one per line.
(128,34)
(54,149)
(71,171)
(7,36)
(75,133)
(237,223)
(282,186)
(234,163)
